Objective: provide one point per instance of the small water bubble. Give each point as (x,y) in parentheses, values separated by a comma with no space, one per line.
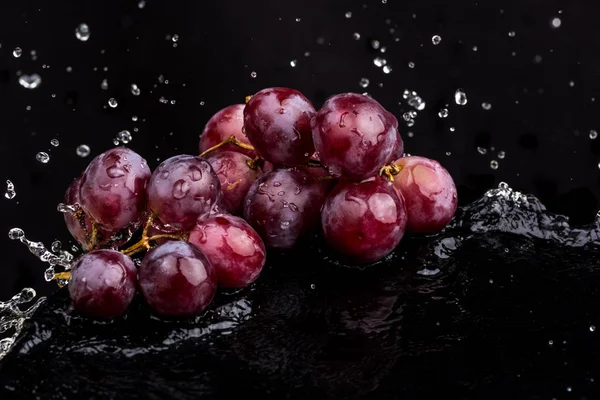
(313,286)
(375,44)
(82,32)
(348,14)
(494,164)
(293,63)
(320,40)
(555,23)
(42,157)
(448,153)
(379,61)
(501,154)
(175,38)
(69,68)
(387,69)
(307,54)
(17,52)
(112,102)
(551,343)
(569,389)
(411,64)
(33,54)
(83,150)
(16,233)
(356,35)
(49,274)
(443,113)
(475,48)
(460,97)
(173,101)
(571,83)
(253,74)
(436,39)
(30,81)
(593,134)
(141,4)
(298,19)
(54,142)
(134,118)
(452,129)
(384,1)
(10,190)
(491,280)
(135,90)
(482,150)
(364,82)
(537,59)
(486,106)
(124,137)
(511,33)
(104,84)
(202,103)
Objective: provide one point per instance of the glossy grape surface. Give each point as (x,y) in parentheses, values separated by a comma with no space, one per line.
(277,123)
(398,151)
(234,249)
(103,283)
(235,176)
(429,193)
(182,189)
(354,135)
(284,205)
(224,124)
(113,187)
(177,279)
(364,221)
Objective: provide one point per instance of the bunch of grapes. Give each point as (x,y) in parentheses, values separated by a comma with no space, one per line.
(269,174)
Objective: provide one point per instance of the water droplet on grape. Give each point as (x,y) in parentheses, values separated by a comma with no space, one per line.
(460,97)
(494,164)
(180,189)
(364,82)
(436,39)
(443,113)
(83,150)
(112,102)
(135,90)
(17,52)
(30,81)
(82,32)
(42,157)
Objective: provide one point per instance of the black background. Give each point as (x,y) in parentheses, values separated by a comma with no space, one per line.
(538,118)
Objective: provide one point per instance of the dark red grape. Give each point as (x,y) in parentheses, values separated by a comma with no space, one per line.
(283,205)
(234,249)
(398,151)
(103,283)
(177,279)
(354,135)
(113,187)
(224,124)
(235,176)
(429,193)
(365,220)
(277,123)
(182,189)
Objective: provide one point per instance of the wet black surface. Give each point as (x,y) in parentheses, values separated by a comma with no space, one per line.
(506,316)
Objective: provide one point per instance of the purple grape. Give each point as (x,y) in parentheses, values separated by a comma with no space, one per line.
(429,193)
(224,124)
(182,189)
(354,135)
(103,283)
(398,151)
(364,221)
(234,249)
(277,123)
(235,176)
(113,187)
(284,205)
(177,279)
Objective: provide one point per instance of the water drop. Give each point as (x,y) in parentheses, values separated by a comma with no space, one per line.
(16,233)
(387,69)
(571,83)
(10,190)
(593,134)
(135,90)
(436,39)
(56,246)
(475,48)
(537,59)
(364,82)
(511,33)
(348,14)
(175,38)
(592,328)
(82,32)
(494,164)
(411,64)
(550,342)
(379,62)
(30,81)
(556,22)
(104,84)
(54,142)
(384,1)
(569,389)
(443,113)
(17,52)
(460,97)
(293,63)
(448,153)
(413,100)
(69,68)
(112,102)
(134,118)
(141,4)
(313,286)
(298,19)
(486,106)
(253,74)
(83,150)
(501,155)
(356,35)
(375,44)
(42,157)
(124,137)
(482,150)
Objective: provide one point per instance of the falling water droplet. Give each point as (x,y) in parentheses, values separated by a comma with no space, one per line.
(413,100)
(82,32)
(253,74)
(348,14)
(443,113)
(124,137)
(141,4)
(501,155)
(460,97)
(293,63)
(511,33)
(16,233)
(10,190)
(54,142)
(135,90)
(494,164)
(83,150)
(482,150)
(375,44)
(356,35)
(592,328)
(175,38)
(379,61)
(411,64)
(112,102)
(17,52)
(42,157)
(555,23)
(436,39)
(387,69)
(486,106)
(104,84)
(30,81)
(593,134)
(364,82)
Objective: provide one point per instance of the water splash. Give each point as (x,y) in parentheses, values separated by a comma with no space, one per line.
(10,190)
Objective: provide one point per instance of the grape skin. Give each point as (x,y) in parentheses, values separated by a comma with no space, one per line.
(224,124)
(234,249)
(354,135)
(103,283)
(364,221)
(113,187)
(429,193)
(277,123)
(182,189)
(283,205)
(177,280)
(235,176)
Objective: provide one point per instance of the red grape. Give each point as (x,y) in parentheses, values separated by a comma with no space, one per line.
(429,193)
(182,189)
(365,220)
(234,249)
(103,283)
(277,123)
(177,279)
(398,151)
(113,187)
(354,135)
(283,205)
(224,124)
(235,176)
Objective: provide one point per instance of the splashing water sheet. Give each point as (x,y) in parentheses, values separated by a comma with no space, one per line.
(436,303)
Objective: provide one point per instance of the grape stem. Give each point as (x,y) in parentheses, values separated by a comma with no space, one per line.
(255,162)
(144,243)
(247,99)
(230,140)
(93,236)
(390,171)
(315,163)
